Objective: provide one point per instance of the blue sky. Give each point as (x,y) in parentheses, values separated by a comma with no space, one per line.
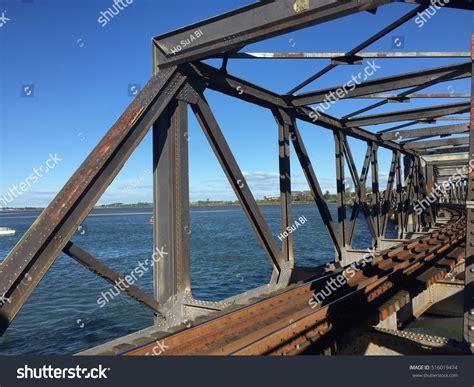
(79,74)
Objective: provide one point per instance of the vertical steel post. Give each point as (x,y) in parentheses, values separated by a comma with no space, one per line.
(431,189)
(341,189)
(418,193)
(400,211)
(387,202)
(171,205)
(375,191)
(409,187)
(315,188)
(469,273)
(361,194)
(284,122)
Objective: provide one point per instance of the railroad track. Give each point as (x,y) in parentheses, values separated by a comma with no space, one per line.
(288,324)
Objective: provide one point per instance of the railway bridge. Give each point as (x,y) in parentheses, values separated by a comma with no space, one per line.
(363,299)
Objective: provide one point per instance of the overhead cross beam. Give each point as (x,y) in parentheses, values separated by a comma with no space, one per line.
(247,91)
(444,151)
(427,131)
(404,96)
(396,82)
(437,143)
(361,46)
(406,115)
(255,22)
(338,55)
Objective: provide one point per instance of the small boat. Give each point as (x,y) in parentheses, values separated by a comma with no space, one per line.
(152,220)
(5,231)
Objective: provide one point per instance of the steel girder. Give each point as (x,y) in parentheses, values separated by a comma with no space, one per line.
(443,151)
(405,115)
(162,103)
(351,56)
(469,269)
(284,122)
(230,85)
(445,130)
(30,259)
(234,30)
(437,143)
(416,78)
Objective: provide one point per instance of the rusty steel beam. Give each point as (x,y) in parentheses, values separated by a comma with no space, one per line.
(172,226)
(406,115)
(255,22)
(339,55)
(442,151)
(437,143)
(460,4)
(395,82)
(403,96)
(237,181)
(30,259)
(315,188)
(360,47)
(387,202)
(96,267)
(427,131)
(361,198)
(284,122)
(469,267)
(247,91)
(340,188)
(406,98)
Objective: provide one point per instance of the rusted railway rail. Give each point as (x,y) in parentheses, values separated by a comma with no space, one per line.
(286,324)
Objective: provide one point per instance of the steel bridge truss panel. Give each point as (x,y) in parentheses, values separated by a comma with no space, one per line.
(179,82)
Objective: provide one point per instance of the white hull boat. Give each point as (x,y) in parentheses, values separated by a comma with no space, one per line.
(5,231)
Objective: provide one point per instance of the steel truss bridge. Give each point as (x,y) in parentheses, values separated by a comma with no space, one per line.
(432,258)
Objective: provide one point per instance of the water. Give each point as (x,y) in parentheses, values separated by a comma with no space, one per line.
(62,316)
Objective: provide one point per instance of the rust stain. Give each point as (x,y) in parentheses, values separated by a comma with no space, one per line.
(136,116)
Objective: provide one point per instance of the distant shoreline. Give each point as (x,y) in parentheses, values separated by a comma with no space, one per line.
(107,206)
(297,197)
